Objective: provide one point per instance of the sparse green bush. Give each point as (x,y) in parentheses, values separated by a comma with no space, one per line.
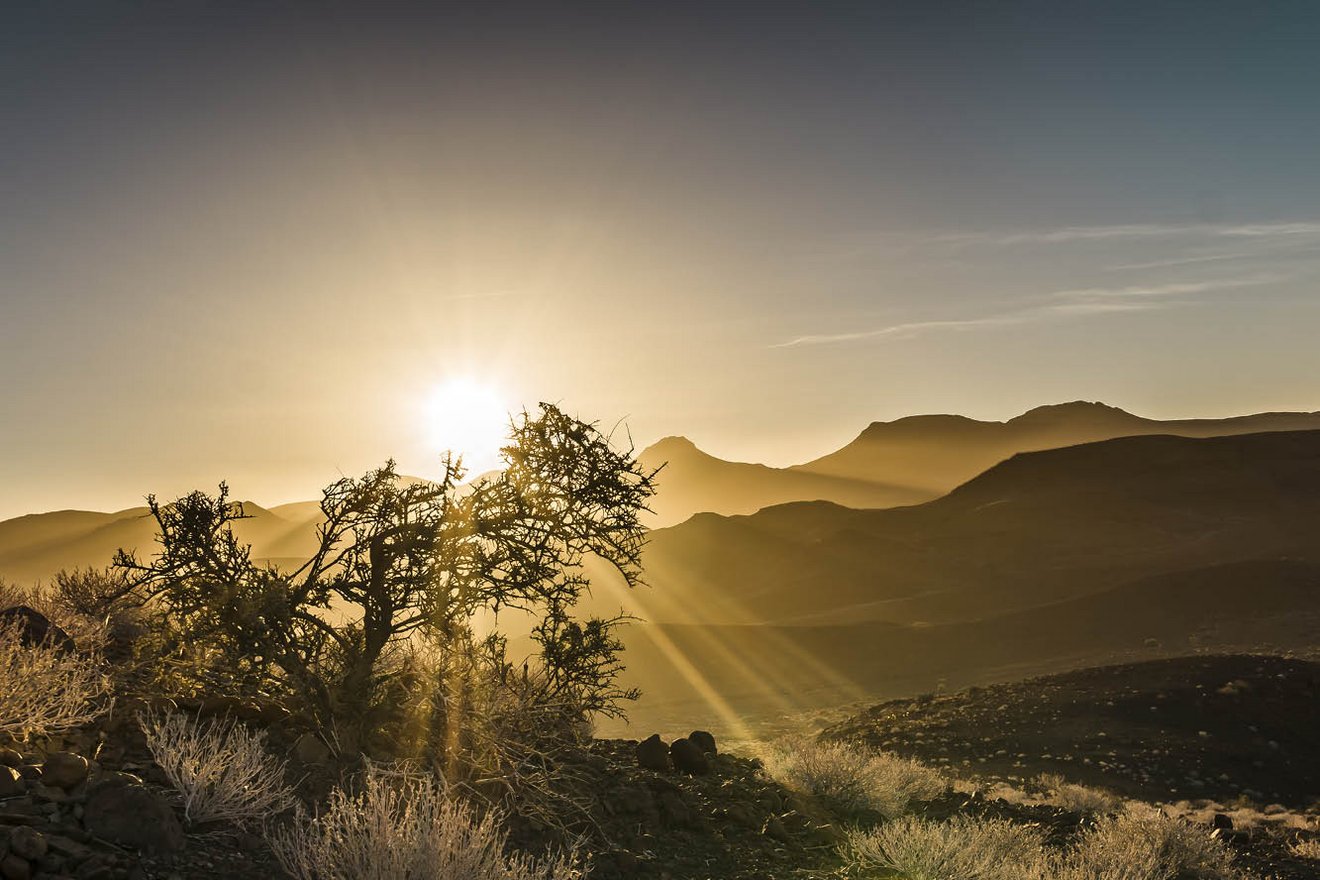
(45,690)
(220,768)
(852,777)
(398,826)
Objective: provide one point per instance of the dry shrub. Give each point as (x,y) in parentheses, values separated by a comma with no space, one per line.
(89,632)
(1137,844)
(1141,843)
(45,690)
(959,849)
(1056,790)
(220,768)
(505,737)
(1306,849)
(401,827)
(852,777)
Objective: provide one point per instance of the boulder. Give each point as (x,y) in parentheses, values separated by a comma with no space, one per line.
(704,740)
(27,843)
(63,770)
(310,750)
(13,867)
(132,816)
(688,758)
(653,754)
(35,628)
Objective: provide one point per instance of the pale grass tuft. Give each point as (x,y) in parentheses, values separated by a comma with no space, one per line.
(959,849)
(1137,844)
(1077,798)
(220,768)
(852,777)
(44,690)
(1306,849)
(1142,843)
(400,827)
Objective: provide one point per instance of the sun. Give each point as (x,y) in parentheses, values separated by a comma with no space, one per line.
(468,418)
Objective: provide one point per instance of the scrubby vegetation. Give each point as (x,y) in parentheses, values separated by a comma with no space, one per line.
(378,648)
(44,689)
(365,715)
(399,826)
(1141,844)
(852,778)
(220,768)
(961,848)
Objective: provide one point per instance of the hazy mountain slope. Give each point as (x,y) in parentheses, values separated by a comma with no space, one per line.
(935,453)
(693,481)
(1257,604)
(35,548)
(1038,528)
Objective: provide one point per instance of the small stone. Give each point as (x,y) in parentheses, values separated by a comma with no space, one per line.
(132,815)
(13,867)
(775,830)
(704,740)
(310,750)
(11,784)
(689,758)
(28,843)
(64,770)
(653,754)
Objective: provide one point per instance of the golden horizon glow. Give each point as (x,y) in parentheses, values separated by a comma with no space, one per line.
(469,418)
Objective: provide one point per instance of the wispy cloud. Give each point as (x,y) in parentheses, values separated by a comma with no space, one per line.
(899,331)
(1066,234)
(1176,289)
(1186,261)
(1079,302)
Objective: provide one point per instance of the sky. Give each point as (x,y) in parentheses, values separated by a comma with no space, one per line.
(249,241)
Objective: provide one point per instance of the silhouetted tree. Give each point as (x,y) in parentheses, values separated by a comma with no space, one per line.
(397,558)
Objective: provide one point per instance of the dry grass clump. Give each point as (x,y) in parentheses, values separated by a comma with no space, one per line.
(959,849)
(1306,849)
(220,768)
(1141,843)
(1076,798)
(400,827)
(45,690)
(852,777)
(1137,844)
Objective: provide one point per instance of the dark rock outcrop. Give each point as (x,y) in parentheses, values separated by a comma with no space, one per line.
(35,628)
(133,816)
(704,740)
(653,754)
(689,758)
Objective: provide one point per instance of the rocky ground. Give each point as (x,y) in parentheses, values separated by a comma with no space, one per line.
(727,820)
(1227,736)
(93,806)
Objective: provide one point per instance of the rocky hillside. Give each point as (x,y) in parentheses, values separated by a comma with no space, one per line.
(1038,528)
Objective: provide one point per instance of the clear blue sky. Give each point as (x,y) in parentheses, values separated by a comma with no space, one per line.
(243,240)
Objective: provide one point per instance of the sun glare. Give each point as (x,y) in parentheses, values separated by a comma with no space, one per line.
(469,419)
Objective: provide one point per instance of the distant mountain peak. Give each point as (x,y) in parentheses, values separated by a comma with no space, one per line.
(673,445)
(926,419)
(1074,409)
